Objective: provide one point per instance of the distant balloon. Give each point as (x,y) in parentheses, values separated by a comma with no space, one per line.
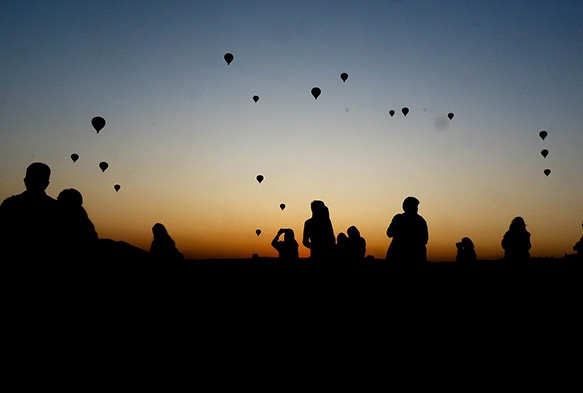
(229,58)
(450,115)
(98,123)
(74,157)
(405,110)
(258,232)
(103,165)
(543,135)
(316,92)
(255,98)
(547,172)
(544,152)
(282,206)
(344,76)
(117,187)
(392,113)
(259,178)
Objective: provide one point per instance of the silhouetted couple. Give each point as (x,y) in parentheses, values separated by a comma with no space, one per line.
(350,247)
(38,229)
(410,236)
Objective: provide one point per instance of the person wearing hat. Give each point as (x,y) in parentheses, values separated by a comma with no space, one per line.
(409,234)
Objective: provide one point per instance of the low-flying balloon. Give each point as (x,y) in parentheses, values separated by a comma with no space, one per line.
(103,165)
(450,115)
(405,110)
(316,92)
(116,187)
(258,232)
(282,206)
(547,172)
(259,178)
(98,123)
(344,76)
(543,135)
(255,98)
(392,113)
(544,152)
(74,157)
(229,58)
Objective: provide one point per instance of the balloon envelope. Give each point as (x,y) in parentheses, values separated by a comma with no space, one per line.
(544,152)
(543,135)
(103,165)
(344,76)
(450,115)
(98,123)
(405,110)
(316,92)
(258,232)
(117,187)
(547,172)
(229,58)
(392,113)
(255,98)
(282,206)
(259,178)
(74,157)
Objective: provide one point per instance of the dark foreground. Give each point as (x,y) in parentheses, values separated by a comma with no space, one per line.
(252,319)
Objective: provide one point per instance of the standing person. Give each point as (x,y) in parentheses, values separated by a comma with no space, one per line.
(163,248)
(318,233)
(466,254)
(410,235)
(579,246)
(29,230)
(356,245)
(516,242)
(288,247)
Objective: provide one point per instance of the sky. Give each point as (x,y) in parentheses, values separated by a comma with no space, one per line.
(185,140)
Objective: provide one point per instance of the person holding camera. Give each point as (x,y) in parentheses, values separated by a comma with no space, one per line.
(288,247)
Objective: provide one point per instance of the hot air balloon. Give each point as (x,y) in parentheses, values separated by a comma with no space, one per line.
(544,152)
(405,110)
(116,187)
(74,157)
(259,178)
(255,98)
(228,58)
(543,135)
(547,172)
(103,165)
(450,115)
(344,76)
(98,123)
(316,92)
(282,206)
(392,113)
(258,232)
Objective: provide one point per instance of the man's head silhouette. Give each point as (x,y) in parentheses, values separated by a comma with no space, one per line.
(37,177)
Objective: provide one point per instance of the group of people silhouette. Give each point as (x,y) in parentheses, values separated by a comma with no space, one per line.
(35,227)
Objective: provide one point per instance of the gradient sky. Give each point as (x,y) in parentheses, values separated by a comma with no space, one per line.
(185,140)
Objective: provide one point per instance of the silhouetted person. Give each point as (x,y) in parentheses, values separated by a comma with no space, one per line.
(356,245)
(29,230)
(318,233)
(163,248)
(288,247)
(516,242)
(579,246)
(466,254)
(79,236)
(341,248)
(410,235)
